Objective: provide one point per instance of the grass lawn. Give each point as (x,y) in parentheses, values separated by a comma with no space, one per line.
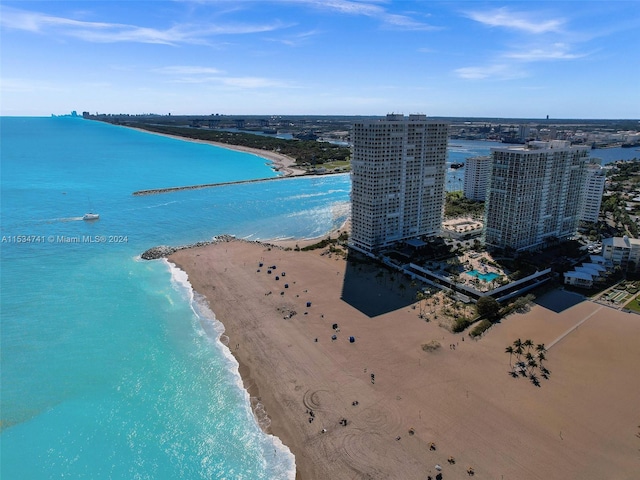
(337,164)
(633,304)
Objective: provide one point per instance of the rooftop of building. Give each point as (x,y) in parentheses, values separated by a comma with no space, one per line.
(540,145)
(620,242)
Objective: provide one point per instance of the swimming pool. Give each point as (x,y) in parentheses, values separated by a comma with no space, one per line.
(486,277)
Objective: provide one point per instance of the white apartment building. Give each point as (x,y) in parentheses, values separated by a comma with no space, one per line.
(535,194)
(398,170)
(593,190)
(524,132)
(622,251)
(476,177)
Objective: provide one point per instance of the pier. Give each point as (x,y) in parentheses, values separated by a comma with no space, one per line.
(157,191)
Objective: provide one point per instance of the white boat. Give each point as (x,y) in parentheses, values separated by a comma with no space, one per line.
(91,216)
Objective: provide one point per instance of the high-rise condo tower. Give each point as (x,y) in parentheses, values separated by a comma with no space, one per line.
(535,194)
(398,176)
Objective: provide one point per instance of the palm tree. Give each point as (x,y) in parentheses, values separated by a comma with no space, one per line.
(509,350)
(529,360)
(518,348)
(420,296)
(534,379)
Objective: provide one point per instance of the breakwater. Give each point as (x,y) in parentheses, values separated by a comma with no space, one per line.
(163,251)
(157,191)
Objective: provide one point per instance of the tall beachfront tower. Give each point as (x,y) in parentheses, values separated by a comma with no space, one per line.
(593,190)
(476,177)
(535,194)
(397,180)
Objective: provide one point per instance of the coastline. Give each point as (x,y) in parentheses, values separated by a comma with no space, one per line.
(281,163)
(436,395)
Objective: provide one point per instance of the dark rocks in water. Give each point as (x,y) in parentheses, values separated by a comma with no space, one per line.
(158,252)
(163,251)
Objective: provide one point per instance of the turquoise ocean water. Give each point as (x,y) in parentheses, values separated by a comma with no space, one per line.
(110,367)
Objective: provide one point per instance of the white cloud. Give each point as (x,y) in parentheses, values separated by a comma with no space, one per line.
(296,39)
(253,82)
(208,75)
(493,72)
(188,70)
(370,9)
(100,32)
(503,17)
(346,6)
(557,51)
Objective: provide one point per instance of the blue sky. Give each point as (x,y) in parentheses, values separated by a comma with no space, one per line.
(565,59)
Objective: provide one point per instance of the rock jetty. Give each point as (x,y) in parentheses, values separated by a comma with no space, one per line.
(163,251)
(157,191)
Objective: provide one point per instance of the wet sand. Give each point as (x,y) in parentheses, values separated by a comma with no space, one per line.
(581,423)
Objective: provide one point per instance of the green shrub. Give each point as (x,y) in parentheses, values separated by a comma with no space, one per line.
(461,324)
(320,244)
(480,328)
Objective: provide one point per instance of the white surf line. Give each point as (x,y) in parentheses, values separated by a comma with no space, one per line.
(548,347)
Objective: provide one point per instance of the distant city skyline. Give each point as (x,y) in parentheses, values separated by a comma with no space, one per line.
(321,57)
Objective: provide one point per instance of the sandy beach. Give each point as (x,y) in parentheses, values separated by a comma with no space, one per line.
(281,163)
(583,422)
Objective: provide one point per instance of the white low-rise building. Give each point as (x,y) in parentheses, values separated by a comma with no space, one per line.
(585,275)
(600,260)
(578,279)
(622,251)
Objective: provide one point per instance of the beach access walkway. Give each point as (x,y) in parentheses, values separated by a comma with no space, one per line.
(575,327)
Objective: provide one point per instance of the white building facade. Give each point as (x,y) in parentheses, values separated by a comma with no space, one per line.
(593,190)
(476,177)
(398,170)
(622,251)
(535,194)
